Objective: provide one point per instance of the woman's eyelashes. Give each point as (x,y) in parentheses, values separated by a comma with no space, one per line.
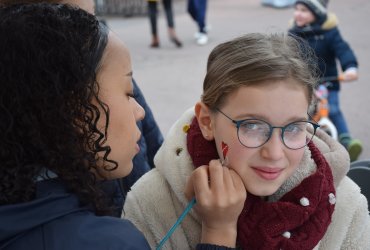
(131,95)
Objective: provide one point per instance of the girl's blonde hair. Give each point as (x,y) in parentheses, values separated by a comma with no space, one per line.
(254,59)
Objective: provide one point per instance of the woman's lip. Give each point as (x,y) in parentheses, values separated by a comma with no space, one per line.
(137,143)
(268,173)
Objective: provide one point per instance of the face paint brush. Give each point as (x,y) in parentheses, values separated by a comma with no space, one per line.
(224,162)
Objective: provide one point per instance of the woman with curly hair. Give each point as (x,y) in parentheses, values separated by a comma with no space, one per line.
(151,136)
(68,124)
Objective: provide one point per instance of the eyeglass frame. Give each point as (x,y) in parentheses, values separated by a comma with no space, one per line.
(239,122)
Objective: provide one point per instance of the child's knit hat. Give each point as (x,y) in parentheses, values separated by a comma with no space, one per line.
(318,7)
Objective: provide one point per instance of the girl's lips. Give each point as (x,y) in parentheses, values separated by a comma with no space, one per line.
(268,173)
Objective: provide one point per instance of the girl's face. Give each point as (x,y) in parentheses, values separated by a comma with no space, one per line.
(302,15)
(263,169)
(116,90)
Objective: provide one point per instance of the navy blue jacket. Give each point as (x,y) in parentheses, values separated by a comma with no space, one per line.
(329,46)
(150,141)
(56,221)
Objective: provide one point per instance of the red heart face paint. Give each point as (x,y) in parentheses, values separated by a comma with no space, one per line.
(225,150)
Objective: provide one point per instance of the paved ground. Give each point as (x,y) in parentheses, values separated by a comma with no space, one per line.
(171,78)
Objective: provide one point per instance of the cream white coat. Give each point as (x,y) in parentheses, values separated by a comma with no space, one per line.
(157,200)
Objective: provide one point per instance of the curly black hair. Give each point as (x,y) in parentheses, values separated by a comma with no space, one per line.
(50,55)
(9,2)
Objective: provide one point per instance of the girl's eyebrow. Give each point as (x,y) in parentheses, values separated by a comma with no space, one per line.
(264,118)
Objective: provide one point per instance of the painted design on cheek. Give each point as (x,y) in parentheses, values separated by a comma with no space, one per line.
(225,150)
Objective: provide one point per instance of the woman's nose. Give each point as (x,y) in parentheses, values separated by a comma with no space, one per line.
(139,112)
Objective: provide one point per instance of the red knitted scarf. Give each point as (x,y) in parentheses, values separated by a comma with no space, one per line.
(298,220)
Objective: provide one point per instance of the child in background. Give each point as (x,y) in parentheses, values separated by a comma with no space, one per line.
(255,101)
(320,30)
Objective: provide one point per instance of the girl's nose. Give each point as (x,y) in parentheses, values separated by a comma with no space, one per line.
(273,149)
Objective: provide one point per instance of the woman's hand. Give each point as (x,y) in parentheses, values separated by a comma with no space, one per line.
(220,196)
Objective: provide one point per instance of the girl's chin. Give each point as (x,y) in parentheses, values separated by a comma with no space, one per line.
(262,193)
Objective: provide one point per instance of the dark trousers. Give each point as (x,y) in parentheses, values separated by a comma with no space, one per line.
(197,10)
(335,113)
(152,10)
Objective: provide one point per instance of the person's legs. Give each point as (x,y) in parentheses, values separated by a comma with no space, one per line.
(167,5)
(335,114)
(152,12)
(353,146)
(197,10)
(192,9)
(201,7)
(201,15)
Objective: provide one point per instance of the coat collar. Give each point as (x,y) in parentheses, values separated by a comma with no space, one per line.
(330,22)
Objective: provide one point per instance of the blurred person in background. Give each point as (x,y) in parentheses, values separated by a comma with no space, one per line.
(153,12)
(313,23)
(198,10)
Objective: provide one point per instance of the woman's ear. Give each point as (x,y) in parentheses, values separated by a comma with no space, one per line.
(203,115)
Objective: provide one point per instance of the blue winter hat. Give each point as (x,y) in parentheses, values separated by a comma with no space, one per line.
(317,7)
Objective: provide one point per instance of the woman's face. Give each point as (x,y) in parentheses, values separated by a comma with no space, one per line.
(302,15)
(263,169)
(116,90)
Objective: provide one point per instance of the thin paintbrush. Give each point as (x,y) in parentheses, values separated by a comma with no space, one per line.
(224,162)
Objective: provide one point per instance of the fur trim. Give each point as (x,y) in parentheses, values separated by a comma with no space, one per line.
(331,22)
(174,149)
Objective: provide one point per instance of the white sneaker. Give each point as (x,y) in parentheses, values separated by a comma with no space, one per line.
(197,35)
(202,39)
(207,28)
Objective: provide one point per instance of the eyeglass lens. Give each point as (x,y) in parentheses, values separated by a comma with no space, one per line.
(255,133)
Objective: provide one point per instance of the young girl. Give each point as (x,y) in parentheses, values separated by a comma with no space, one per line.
(68,126)
(254,107)
(320,29)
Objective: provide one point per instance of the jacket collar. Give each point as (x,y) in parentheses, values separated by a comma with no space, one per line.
(329,23)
